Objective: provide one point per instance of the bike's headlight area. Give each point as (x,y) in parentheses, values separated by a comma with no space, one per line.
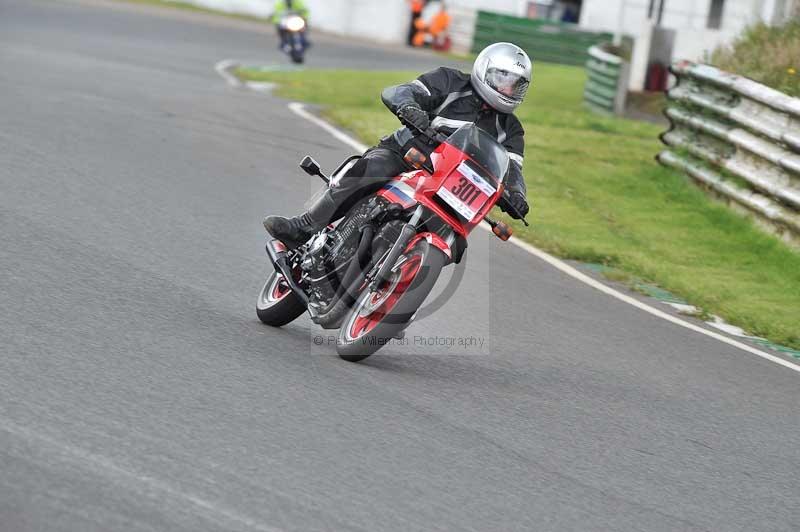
(295,23)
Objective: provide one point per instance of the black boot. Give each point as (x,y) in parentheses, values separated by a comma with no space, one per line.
(295,231)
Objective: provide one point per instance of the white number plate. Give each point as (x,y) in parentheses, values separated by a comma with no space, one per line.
(466,191)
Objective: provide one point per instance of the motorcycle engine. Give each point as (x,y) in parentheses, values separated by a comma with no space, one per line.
(314,265)
(329,254)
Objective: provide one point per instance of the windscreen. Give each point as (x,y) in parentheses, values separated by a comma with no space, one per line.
(482,148)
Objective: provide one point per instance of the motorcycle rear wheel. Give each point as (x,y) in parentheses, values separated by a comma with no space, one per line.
(277,305)
(379,316)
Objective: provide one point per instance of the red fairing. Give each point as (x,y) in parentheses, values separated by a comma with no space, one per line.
(447,191)
(447,160)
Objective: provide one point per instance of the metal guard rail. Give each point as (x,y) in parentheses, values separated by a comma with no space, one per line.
(604,74)
(738,138)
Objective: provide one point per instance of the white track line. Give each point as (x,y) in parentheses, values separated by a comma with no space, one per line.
(299,109)
(582,277)
(223,68)
(260,86)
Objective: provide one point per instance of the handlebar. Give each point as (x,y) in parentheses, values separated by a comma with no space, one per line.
(430,134)
(434,135)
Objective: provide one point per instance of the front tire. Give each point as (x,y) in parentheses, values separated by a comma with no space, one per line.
(277,305)
(377,317)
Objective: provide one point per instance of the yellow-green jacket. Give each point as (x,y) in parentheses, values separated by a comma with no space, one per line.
(281,7)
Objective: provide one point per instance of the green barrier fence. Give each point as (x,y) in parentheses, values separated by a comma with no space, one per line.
(544,40)
(606,81)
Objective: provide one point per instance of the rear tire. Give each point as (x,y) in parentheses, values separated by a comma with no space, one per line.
(366,328)
(277,305)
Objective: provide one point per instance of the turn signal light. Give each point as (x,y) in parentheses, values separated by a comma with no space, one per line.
(415,158)
(502,231)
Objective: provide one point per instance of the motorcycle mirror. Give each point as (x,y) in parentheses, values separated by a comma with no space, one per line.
(310,166)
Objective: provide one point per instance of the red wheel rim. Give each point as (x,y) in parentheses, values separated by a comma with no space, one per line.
(275,290)
(280,289)
(374,306)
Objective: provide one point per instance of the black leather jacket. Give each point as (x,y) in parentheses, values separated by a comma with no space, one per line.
(447,95)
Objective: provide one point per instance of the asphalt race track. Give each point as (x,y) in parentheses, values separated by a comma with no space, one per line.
(138,390)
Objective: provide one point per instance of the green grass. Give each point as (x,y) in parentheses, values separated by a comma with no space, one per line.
(599,196)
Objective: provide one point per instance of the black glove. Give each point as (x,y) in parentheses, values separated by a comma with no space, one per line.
(519,202)
(414,117)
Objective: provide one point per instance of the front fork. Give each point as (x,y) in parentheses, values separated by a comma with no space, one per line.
(407,232)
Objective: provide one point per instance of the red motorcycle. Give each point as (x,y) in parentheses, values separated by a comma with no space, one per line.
(369,275)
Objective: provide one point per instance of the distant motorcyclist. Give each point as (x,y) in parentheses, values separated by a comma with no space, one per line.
(282,7)
(444,99)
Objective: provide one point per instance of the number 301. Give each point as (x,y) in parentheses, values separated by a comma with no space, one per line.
(466,191)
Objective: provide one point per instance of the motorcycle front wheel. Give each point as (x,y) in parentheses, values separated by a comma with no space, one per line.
(380,315)
(277,305)
(298,50)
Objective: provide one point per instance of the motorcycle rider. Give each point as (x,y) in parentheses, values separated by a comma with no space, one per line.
(444,99)
(281,8)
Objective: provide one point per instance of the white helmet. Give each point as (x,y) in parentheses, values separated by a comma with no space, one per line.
(501,75)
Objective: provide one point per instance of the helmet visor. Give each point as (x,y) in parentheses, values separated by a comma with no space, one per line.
(507,83)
